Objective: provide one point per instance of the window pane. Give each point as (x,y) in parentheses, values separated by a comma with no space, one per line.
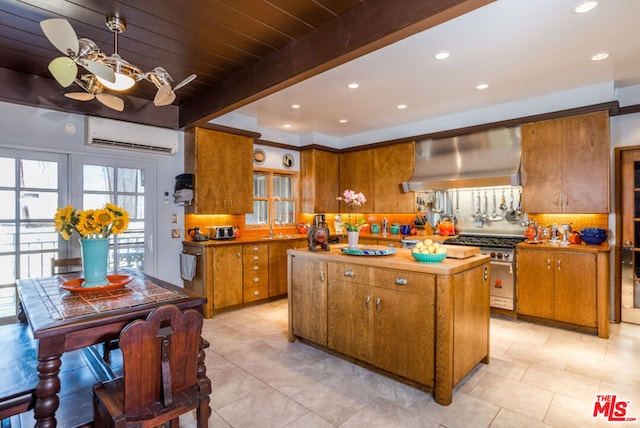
(8,176)
(8,269)
(282,186)
(38,237)
(259,215)
(259,185)
(38,205)
(7,238)
(94,201)
(133,204)
(130,180)
(7,207)
(35,173)
(283,211)
(97,178)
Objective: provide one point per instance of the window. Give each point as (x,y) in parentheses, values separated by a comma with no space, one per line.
(273,199)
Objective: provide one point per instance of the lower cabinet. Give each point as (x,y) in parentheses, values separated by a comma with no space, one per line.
(226,278)
(255,262)
(308,300)
(557,285)
(383,317)
(278,264)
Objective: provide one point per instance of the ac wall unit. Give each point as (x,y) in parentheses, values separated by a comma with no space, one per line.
(115,134)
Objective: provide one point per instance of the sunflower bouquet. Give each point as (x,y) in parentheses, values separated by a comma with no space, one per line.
(91,224)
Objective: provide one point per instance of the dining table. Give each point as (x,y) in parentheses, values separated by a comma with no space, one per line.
(63,317)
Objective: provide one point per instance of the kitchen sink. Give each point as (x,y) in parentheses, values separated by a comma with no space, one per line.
(277,237)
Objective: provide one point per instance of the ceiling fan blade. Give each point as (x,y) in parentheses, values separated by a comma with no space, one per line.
(185,82)
(100,70)
(61,35)
(80,96)
(111,101)
(64,70)
(164,96)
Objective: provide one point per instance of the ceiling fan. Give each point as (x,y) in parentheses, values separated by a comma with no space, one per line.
(110,72)
(94,89)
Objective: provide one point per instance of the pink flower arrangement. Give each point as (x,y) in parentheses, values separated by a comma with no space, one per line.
(353,201)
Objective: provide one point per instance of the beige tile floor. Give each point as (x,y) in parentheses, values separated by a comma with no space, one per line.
(538,377)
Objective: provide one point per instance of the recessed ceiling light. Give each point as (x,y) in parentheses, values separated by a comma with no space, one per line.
(353,85)
(482,86)
(442,55)
(585,6)
(287,125)
(343,120)
(295,106)
(401,106)
(600,56)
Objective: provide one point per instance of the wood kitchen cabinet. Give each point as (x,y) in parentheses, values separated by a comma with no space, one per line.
(564,285)
(319,181)
(308,299)
(389,324)
(565,165)
(227,276)
(222,165)
(278,264)
(255,263)
(357,174)
(393,165)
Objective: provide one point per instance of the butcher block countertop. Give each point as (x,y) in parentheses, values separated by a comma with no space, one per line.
(401,259)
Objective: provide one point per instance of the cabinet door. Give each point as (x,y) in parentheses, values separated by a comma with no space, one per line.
(542,166)
(227,276)
(223,171)
(350,318)
(255,262)
(393,165)
(319,181)
(585,163)
(309,299)
(356,173)
(575,288)
(535,283)
(278,265)
(404,326)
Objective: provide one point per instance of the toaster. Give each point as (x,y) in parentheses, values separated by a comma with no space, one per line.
(222,232)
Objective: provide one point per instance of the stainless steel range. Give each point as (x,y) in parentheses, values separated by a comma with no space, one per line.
(503,275)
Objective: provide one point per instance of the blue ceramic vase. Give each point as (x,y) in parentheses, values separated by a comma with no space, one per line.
(95,254)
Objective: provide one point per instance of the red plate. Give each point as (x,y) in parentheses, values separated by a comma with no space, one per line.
(115,282)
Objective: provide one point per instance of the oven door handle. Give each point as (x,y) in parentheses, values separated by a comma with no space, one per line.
(504,264)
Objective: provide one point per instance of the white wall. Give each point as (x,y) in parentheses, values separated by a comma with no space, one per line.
(36,129)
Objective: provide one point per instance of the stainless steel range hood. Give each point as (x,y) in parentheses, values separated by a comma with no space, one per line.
(488,158)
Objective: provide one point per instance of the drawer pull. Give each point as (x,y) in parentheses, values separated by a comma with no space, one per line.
(559,264)
(349,272)
(256,267)
(256,293)
(548,264)
(255,249)
(256,279)
(366,303)
(255,258)
(378,305)
(401,281)
(321,276)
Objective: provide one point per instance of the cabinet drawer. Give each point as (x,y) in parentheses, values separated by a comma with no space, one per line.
(410,282)
(256,268)
(256,279)
(256,293)
(350,273)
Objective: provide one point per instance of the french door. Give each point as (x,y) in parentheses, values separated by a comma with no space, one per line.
(630,236)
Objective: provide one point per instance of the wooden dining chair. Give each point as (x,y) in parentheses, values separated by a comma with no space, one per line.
(65,265)
(163,373)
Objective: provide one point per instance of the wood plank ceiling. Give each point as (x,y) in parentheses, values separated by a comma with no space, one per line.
(241,50)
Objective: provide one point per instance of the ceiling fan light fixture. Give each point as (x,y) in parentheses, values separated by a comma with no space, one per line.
(125,74)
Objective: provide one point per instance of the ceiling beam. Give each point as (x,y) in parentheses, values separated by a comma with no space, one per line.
(362,29)
(28,89)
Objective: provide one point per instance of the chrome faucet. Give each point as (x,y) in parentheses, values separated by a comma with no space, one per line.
(275,198)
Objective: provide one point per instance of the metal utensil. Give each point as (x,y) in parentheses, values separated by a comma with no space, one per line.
(473,202)
(485,211)
(503,205)
(494,215)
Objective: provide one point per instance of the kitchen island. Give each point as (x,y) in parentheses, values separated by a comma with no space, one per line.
(426,324)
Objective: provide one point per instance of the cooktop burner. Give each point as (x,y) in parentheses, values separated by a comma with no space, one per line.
(485,241)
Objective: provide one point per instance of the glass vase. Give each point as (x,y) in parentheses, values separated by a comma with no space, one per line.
(352,238)
(95,253)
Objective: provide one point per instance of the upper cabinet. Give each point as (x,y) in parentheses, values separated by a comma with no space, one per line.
(393,165)
(357,174)
(223,172)
(319,181)
(565,165)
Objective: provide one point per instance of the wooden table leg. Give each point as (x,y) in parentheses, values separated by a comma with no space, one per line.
(47,399)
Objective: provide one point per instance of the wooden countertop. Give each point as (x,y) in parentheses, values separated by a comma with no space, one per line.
(401,259)
(548,246)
